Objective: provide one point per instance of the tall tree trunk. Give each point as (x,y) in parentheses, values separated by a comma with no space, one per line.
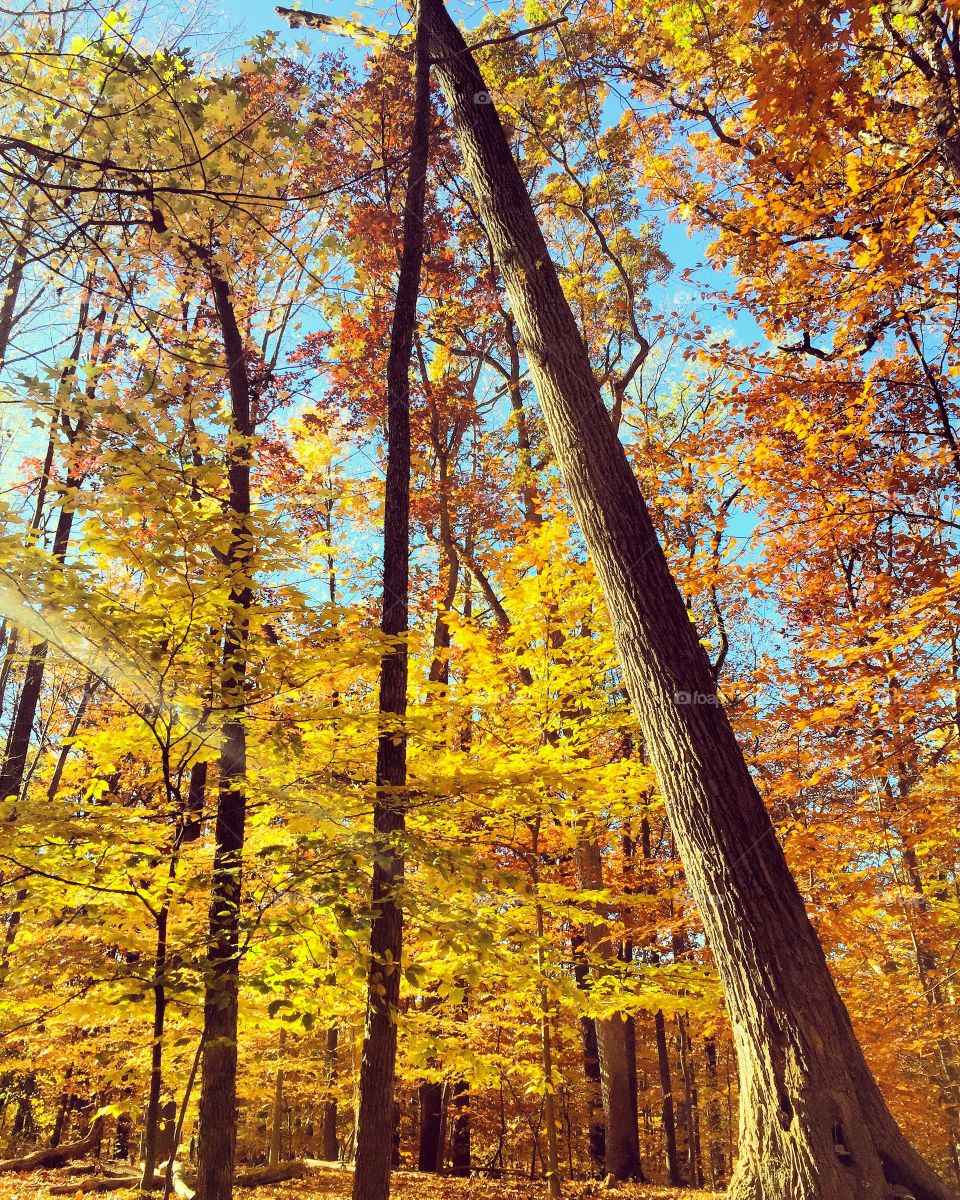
(218,1083)
(806,1090)
(378,1064)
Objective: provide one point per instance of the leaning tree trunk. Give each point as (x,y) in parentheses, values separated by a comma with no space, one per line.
(378,1063)
(218,1087)
(813,1123)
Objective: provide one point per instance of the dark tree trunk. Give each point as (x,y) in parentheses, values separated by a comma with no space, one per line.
(152,1127)
(460,1135)
(666,1101)
(218,1087)
(717,1168)
(805,1086)
(25,713)
(430,1096)
(378,1063)
(196,794)
(63,1109)
(122,1137)
(330,1147)
(596,1139)
(690,1105)
(276,1119)
(618,1064)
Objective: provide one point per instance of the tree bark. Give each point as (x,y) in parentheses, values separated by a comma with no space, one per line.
(218,1088)
(378,1064)
(813,1122)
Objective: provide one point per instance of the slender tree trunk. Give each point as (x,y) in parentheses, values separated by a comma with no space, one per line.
(218,1084)
(330,1147)
(152,1127)
(63,1109)
(10,648)
(460,1135)
(616,1049)
(666,1101)
(546,1035)
(596,1130)
(14,279)
(713,1114)
(694,1167)
(276,1123)
(378,1064)
(806,1090)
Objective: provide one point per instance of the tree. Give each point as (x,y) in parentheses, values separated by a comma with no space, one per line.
(812,1117)
(377,1071)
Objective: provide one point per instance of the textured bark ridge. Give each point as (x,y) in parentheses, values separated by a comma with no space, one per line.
(813,1125)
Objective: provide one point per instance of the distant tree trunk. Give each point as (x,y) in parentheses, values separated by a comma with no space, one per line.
(666,1101)
(152,1126)
(805,1086)
(18,741)
(717,1168)
(276,1122)
(616,1049)
(460,1136)
(330,1147)
(13,282)
(63,1108)
(690,1105)
(444,1125)
(546,1034)
(122,1137)
(196,795)
(596,1141)
(430,1096)
(218,1086)
(378,1065)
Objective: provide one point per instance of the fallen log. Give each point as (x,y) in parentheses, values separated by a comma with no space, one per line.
(110,1183)
(277,1173)
(114,1183)
(252,1177)
(106,1167)
(55,1156)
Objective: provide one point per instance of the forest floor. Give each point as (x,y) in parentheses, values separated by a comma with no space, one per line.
(327,1182)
